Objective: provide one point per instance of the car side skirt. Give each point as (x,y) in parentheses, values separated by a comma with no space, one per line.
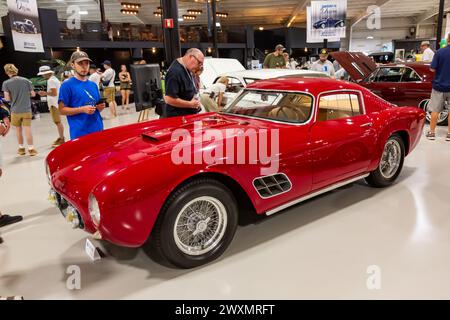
(315,194)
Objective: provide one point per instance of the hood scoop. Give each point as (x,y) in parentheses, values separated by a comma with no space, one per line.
(158,135)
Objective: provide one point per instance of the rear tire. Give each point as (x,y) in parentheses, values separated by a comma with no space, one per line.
(443,116)
(196,225)
(391,163)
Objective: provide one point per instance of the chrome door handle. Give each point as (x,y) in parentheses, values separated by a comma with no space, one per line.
(369,124)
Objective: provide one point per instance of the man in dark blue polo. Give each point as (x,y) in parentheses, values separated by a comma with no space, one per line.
(440,94)
(182,97)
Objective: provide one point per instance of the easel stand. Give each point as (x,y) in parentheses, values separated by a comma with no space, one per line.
(144,115)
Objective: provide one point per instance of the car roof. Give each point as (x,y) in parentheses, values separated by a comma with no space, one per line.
(270,73)
(314,86)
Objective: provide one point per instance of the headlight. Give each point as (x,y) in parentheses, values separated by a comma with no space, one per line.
(94,210)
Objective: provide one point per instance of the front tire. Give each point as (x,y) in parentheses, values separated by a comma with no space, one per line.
(196,224)
(391,163)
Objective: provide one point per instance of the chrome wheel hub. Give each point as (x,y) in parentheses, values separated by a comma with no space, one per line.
(442,115)
(390,161)
(200,225)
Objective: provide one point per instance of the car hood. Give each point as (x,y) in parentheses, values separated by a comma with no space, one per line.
(357,64)
(93,158)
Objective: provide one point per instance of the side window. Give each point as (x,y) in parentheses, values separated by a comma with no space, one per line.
(389,74)
(234,85)
(338,106)
(410,76)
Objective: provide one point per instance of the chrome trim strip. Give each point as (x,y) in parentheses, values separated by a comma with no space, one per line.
(314,194)
(281,173)
(311,116)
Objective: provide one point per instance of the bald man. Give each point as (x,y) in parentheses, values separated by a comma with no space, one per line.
(182,96)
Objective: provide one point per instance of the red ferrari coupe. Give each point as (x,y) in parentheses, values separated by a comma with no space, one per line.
(178,185)
(403,84)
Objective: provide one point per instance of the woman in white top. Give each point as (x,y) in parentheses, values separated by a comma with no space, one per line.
(212,98)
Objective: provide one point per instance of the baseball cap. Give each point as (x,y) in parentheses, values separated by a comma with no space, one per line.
(107,62)
(44,70)
(323,51)
(280,47)
(425,43)
(79,56)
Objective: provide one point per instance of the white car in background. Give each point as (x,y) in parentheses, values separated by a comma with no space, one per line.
(239,77)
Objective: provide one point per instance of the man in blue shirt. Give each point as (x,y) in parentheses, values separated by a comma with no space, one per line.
(440,94)
(79,99)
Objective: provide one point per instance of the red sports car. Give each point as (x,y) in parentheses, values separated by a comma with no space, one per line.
(403,84)
(178,185)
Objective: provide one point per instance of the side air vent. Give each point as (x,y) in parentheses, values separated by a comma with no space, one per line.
(270,186)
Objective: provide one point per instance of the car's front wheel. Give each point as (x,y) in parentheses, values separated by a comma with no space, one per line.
(196,224)
(323,26)
(391,163)
(22,29)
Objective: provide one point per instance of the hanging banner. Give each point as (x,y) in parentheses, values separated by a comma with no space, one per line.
(326,20)
(25,26)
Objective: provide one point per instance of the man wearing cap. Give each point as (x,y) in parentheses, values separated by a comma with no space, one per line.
(109,88)
(52,95)
(17,91)
(275,60)
(427,52)
(79,99)
(323,64)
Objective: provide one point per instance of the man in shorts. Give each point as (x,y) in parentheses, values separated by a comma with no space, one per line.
(18,90)
(109,88)
(440,95)
(52,95)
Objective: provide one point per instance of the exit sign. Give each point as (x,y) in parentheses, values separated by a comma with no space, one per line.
(168,23)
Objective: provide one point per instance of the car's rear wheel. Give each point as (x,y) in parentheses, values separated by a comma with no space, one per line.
(323,26)
(196,224)
(22,29)
(391,163)
(442,118)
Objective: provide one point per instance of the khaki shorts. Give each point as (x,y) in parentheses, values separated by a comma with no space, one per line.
(56,116)
(438,100)
(21,119)
(109,94)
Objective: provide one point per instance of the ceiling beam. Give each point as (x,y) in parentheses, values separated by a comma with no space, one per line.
(430,13)
(300,7)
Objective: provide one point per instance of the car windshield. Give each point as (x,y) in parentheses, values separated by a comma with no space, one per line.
(290,107)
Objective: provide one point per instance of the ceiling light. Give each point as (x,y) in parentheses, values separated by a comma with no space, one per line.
(194,12)
(84,12)
(130,5)
(222,14)
(153,50)
(157,14)
(129,12)
(261,28)
(189,17)
(370,37)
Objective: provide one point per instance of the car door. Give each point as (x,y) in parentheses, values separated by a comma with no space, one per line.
(386,83)
(341,138)
(411,90)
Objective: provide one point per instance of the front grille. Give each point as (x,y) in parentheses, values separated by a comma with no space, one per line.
(273,185)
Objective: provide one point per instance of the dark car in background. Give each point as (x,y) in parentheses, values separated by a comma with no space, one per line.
(403,84)
(25,26)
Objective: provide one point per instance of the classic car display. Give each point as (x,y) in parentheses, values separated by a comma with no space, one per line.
(125,186)
(239,78)
(403,84)
(25,26)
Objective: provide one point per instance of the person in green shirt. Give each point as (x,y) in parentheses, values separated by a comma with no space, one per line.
(275,60)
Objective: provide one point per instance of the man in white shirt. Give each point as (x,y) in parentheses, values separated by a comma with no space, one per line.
(427,52)
(95,75)
(52,95)
(109,88)
(323,64)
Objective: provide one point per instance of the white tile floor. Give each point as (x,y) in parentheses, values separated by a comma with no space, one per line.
(320,249)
